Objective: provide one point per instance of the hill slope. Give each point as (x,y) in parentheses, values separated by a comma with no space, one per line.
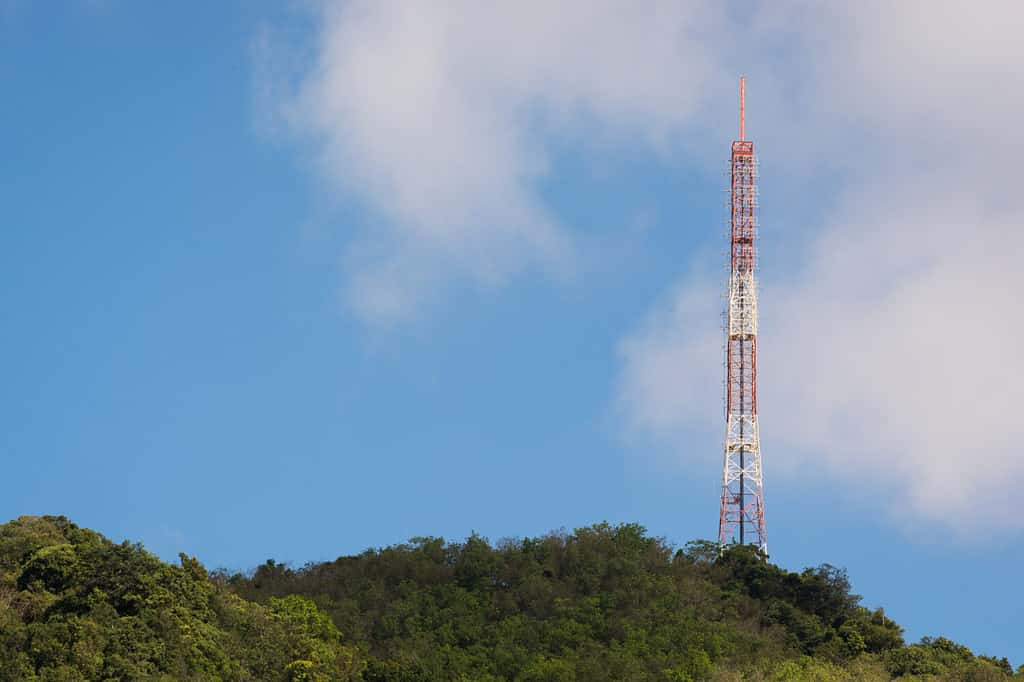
(601,603)
(75,606)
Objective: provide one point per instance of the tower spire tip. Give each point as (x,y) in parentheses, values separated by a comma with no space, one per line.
(743,103)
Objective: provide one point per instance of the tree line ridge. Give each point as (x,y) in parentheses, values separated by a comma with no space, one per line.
(603,602)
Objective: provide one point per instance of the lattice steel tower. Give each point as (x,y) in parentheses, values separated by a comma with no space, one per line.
(741,517)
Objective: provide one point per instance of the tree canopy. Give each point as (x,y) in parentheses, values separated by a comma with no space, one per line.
(605,602)
(76,606)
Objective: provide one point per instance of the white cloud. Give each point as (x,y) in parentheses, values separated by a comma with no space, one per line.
(888,342)
(894,356)
(437,117)
(674,364)
(889,354)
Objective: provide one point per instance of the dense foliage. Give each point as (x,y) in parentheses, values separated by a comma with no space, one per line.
(75,606)
(602,603)
(605,603)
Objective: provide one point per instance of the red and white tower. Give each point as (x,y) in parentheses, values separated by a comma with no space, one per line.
(741,517)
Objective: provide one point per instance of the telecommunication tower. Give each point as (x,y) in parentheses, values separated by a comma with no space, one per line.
(741,516)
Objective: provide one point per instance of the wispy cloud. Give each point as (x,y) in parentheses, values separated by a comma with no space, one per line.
(888,335)
(437,117)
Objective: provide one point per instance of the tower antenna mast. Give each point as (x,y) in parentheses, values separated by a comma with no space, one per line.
(741,514)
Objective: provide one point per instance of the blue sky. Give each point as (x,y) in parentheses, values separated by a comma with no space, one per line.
(271,287)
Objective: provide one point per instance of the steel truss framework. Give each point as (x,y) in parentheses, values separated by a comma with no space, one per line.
(741,515)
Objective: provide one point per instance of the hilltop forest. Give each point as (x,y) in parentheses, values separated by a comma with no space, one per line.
(606,602)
